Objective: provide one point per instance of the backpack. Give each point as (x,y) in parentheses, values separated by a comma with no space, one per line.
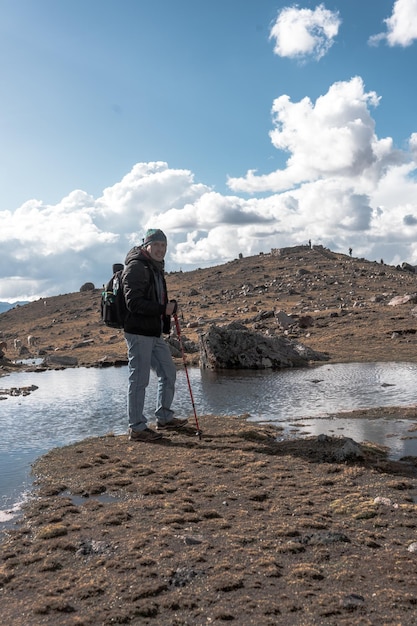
(113,304)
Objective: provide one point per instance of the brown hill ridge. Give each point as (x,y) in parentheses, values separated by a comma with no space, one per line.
(347,301)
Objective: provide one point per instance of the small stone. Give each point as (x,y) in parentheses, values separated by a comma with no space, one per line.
(193,540)
(352,601)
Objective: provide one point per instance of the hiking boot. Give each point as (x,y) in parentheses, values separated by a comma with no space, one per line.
(144,435)
(174,424)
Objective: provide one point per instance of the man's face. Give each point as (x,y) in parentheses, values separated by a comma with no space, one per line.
(157,250)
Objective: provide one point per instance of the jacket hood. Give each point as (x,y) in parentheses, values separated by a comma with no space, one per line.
(139,254)
(135,254)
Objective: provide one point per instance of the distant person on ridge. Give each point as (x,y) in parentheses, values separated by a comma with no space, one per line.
(149,315)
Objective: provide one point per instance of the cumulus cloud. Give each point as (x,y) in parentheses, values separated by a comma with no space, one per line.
(146,191)
(301,33)
(333,137)
(341,184)
(401,26)
(342,187)
(78,239)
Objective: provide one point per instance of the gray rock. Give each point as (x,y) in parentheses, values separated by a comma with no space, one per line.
(235,347)
(60,361)
(349,450)
(283,320)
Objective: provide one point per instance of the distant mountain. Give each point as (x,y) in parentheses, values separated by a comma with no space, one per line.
(5,306)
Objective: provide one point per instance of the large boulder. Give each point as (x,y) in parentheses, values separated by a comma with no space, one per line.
(87,287)
(236,347)
(53,360)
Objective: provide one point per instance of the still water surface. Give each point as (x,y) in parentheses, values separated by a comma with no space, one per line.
(70,405)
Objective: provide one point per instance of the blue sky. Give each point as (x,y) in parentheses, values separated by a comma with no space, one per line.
(234,126)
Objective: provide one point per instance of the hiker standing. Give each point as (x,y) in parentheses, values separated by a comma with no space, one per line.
(148,317)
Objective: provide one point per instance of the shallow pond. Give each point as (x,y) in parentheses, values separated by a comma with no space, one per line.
(70,405)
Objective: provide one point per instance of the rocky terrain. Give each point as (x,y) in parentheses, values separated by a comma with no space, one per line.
(240,526)
(346,306)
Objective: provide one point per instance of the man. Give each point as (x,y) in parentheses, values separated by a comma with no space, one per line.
(149,315)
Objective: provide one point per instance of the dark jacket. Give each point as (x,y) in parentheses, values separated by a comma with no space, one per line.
(146,314)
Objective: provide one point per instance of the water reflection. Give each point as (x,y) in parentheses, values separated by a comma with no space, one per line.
(299,393)
(70,405)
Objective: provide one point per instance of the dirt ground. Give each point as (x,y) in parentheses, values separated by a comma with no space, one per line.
(236,527)
(239,526)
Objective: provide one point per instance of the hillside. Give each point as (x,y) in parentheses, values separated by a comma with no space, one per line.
(346,300)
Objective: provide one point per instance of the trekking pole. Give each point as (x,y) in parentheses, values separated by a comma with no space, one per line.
(177,326)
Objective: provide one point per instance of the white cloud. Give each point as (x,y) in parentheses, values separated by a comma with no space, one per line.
(333,137)
(401,26)
(342,187)
(413,145)
(147,190)
(299,33)
(78,239)
(210,208)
